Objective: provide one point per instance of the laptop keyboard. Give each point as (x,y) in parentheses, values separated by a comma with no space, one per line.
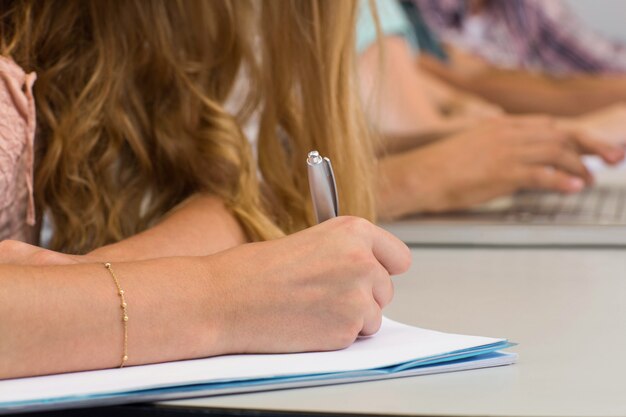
(596,205)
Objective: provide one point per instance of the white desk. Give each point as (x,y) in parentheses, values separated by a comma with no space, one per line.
(565,308)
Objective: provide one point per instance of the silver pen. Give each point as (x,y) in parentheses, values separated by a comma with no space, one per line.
(323,187)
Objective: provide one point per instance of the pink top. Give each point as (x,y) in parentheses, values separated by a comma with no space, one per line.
(17,135)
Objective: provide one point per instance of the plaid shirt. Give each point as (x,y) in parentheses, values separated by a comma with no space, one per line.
(536,35)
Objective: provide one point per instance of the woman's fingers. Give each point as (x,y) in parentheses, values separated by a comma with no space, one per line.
(560,157)
(549,179)
(20,253)
(586,144)
(372,320)
(382,287)
(390,251)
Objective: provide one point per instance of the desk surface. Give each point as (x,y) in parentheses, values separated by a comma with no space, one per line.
(565,308)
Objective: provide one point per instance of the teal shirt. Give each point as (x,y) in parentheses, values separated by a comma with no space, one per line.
(392,19)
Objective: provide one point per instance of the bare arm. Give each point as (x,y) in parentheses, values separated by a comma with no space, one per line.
(409,107)
(83,300)
(525,92)
(391,90)
(65,318)
(57,319)
(199,226)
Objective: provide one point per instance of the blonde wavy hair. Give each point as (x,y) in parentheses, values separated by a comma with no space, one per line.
(131,118)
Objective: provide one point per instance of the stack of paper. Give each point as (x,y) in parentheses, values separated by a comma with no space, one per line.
(397,350)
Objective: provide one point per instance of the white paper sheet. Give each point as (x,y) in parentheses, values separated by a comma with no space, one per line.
(394,344)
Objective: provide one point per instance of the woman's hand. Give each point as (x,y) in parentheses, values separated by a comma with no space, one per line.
(497,159)
(314,290)
(20,253)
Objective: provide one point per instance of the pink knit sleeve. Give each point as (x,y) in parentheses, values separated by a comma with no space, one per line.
(17,134)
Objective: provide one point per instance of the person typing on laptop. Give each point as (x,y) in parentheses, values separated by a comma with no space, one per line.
(430,162)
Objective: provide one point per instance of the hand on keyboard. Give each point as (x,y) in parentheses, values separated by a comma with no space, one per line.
(497,159)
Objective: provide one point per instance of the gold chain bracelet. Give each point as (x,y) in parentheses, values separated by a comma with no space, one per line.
(124,306)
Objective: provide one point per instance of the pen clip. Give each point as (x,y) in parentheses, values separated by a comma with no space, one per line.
(330,175)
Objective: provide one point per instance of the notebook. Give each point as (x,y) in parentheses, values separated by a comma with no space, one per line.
(397,350)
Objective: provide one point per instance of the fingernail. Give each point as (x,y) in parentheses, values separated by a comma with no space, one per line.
(575,184)
(617,155)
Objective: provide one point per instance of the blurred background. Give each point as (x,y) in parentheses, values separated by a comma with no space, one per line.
(606,16)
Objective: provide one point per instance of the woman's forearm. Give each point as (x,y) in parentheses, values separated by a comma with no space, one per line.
(393,144)
(405,104)
(525,92)
(268,297)
(66,318)
(200,226)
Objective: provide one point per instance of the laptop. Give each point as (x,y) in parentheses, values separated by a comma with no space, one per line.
(594,217)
